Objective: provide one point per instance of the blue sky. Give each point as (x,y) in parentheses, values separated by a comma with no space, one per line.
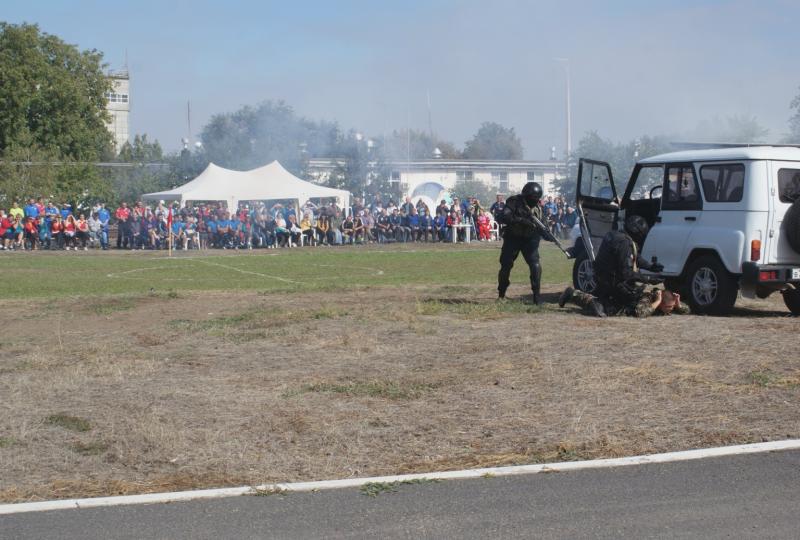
(637,67)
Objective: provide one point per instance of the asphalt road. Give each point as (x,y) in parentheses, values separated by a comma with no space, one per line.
(753,496)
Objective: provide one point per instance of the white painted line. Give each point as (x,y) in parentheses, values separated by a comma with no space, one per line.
(66,504)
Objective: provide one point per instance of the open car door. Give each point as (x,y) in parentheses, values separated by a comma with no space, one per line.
(596,198)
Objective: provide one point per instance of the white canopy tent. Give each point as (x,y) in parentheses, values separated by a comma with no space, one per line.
(270,182)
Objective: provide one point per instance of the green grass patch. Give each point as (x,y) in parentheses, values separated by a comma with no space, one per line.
(91,448)
(111,305)
(770,379)
(373,489)
(7,442)
(454,269)
(72,423)
(473,309)
(377,389)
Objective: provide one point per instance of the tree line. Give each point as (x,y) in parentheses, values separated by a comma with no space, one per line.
(53,136)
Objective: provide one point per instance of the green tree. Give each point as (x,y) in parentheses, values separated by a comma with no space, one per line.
(411,144)
(794,121)
(53,95)
(731,129)
(464,189)
(493,141)
(142,169)
(52,118)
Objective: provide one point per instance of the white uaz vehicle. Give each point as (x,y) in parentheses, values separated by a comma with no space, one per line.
(721,221)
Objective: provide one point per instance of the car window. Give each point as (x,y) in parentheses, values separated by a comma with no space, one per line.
(682,192)
(723,183)
(595,181)
(789,185)
(649,177)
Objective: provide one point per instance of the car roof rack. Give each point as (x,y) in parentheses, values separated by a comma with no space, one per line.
(686,145)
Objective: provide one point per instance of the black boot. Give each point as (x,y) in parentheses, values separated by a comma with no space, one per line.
(566,296)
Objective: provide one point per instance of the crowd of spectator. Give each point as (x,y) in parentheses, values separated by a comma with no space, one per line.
(43,225)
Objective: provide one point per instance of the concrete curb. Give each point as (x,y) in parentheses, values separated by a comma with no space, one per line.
(65,504)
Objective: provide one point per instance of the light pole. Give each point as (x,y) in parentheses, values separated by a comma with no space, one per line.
(565,63)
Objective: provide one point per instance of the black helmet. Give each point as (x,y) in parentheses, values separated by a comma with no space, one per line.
(532,192)
(637,228)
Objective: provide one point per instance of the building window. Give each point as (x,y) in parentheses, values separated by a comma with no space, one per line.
(500,179)
(113,97)
(464,176)
(395,178)
(535,176)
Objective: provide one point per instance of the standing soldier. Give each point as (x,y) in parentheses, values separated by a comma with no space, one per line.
(520,233)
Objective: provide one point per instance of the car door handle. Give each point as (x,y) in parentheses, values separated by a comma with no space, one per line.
(690,218)
(658,219)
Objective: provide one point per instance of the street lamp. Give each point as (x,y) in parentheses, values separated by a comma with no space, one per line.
(565,63)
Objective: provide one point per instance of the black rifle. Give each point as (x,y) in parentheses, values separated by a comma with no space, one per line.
(537,224)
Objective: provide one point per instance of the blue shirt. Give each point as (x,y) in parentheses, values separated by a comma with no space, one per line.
(104,216)
(31,210)
(66,211)
(211,225)
(413,220)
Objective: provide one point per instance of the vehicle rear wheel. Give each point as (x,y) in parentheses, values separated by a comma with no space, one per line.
(583,274)
(791,225)
(791,297)
(709,288)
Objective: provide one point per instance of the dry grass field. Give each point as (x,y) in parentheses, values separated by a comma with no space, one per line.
(159,391)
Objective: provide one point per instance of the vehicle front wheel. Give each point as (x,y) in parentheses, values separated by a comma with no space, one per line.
(583,274)
(709,288)
(791,297)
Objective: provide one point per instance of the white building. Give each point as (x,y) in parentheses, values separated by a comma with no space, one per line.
(432,178)
(119,107)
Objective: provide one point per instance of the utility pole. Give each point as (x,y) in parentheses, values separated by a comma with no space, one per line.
(565,63)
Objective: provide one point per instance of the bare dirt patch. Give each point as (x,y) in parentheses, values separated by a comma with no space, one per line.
(148,393)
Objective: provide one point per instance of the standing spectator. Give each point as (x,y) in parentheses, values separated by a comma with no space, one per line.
(483,226)
(104,216)
(66,211)
(31,210)
(123,215)
(15,211)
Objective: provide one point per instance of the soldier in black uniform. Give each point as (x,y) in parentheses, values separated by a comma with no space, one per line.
(620,285)
(521,234)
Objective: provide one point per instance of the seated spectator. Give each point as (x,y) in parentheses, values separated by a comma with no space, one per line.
(82,231)
(358,227)
(282,234)
(295,231)
(440,227)
(95,228)
(306,227)
(57,233)
(383,226)
(69,232)
(413,225)
(426,226)
(348,232)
